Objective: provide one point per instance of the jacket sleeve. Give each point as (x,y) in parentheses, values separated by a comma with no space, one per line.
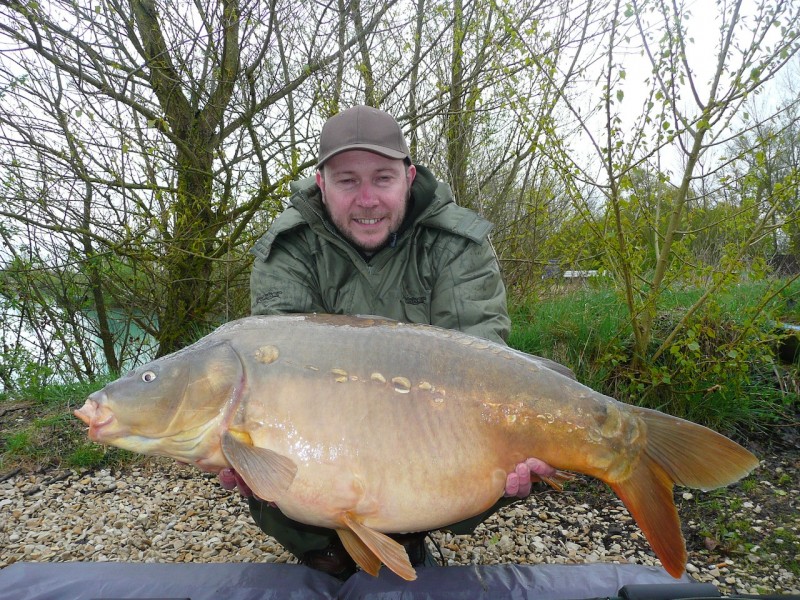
(281,281)
(469,294)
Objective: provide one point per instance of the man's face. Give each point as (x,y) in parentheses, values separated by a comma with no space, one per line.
(366,195)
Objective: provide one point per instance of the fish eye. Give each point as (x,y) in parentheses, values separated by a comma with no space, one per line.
(148,376)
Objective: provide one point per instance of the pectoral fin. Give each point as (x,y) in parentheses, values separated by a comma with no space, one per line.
(268,473)
(364,544)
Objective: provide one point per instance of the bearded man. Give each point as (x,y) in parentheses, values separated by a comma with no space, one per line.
(374,234)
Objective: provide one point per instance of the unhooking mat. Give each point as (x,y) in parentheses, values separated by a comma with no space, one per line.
(249,581)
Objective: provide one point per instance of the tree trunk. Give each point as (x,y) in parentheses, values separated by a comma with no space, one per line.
(192,242)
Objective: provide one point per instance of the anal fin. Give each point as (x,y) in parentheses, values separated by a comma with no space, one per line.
(387,550)
(268,473)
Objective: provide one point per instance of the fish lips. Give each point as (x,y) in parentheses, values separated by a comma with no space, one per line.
(97,416)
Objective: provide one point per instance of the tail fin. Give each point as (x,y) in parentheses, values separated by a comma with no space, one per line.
(679,452)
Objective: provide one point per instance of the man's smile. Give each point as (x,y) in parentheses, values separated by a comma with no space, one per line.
(368,221)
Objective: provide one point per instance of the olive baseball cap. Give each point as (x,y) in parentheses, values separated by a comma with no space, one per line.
(362,128)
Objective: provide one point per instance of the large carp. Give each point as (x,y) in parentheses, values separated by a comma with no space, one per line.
(368,427)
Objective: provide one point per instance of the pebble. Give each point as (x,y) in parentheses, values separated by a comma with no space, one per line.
(163,512)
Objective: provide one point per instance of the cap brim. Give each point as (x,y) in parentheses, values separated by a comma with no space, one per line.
(383,151)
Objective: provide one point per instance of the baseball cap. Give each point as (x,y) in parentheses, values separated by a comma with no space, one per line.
(362,128)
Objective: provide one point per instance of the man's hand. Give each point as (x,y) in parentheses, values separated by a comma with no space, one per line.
(229,479)
(518,482)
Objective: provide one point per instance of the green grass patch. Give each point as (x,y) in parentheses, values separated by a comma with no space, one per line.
(86,456)
(42,431)
(749,484)
(19,444)
(576,330)
(66,394)
(93,456)
(720,370)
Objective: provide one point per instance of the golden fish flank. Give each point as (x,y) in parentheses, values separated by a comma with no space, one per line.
(267,354)
(402,385)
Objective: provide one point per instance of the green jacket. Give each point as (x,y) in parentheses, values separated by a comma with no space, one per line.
(441,270)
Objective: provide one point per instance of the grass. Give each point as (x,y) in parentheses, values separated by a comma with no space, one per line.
(19,444)
(721,369)
(41,431)
(575,330)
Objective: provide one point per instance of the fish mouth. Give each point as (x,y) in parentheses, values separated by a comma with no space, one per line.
(97,416)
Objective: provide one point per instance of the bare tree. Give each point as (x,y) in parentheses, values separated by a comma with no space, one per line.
(158,115)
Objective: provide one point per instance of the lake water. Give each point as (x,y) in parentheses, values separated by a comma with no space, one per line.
(34,356)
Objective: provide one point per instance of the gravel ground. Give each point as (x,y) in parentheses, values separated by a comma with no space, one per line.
(745,539)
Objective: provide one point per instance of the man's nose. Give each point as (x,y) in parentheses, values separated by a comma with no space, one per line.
(366,195)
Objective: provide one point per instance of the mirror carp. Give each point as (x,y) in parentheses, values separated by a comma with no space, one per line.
(369,427)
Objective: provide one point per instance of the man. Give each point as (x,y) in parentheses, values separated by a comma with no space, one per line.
(375,234)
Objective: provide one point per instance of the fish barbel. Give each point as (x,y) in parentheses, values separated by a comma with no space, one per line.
(369,426)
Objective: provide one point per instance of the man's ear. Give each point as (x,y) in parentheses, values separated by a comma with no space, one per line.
(412,173)
(321,183)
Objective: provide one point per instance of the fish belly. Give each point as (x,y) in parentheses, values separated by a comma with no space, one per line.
(400,464)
